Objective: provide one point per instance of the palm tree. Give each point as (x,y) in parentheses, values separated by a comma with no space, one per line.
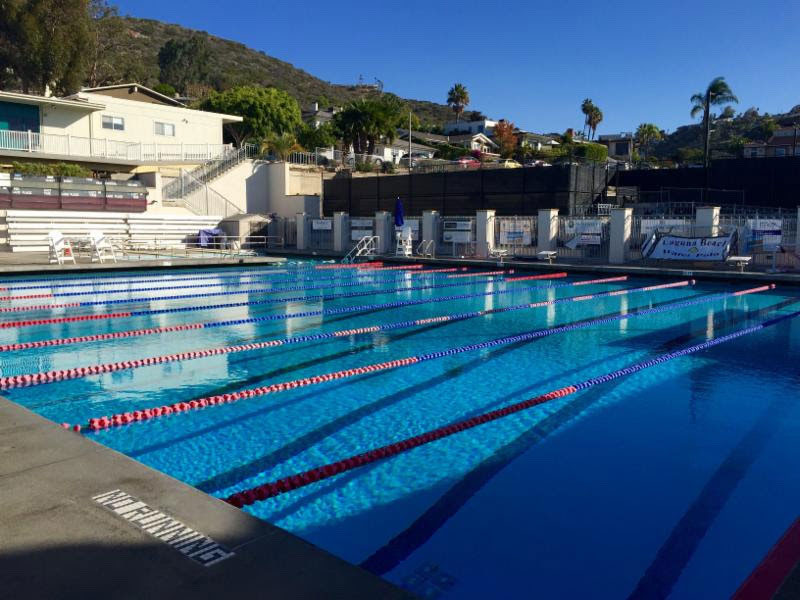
(717,93)
(646,134)
(595,117)
(458,99)
(586,109)
(280,145)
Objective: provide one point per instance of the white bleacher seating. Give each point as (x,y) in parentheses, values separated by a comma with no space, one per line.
(28,229)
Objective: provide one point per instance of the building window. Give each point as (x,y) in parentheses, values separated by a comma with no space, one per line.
(621,149)
(117,123)
(167,129)
(780,151)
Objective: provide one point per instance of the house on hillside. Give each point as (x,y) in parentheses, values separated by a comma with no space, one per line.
(620,145)
(394,151)
(316,116)
(784,142)
(537,141)
(485,126)
(123,128)
(475,141)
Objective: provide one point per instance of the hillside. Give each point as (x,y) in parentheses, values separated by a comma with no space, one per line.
(727,135)
(233,63)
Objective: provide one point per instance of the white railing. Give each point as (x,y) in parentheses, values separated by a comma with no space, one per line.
(76,146)
(202,199)
(367,246)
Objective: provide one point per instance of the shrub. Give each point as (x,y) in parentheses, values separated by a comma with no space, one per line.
(595,152)
(60,169)
(387,167)
(364,167)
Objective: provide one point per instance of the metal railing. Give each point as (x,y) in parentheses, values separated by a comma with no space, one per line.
(202,199)
(367,246)
(516,235)
(85,147)
(208,171)
(583,238)
(426,248)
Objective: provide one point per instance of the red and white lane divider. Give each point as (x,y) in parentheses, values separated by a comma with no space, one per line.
(31,379)
(478,274)
(106,422)
(376,263)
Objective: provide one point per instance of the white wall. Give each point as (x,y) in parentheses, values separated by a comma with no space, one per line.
(62,120)
(191,126)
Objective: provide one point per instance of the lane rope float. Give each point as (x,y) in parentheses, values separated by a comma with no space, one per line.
(44,377)
(105,422)
(293,482)
(312,313)
(161,311)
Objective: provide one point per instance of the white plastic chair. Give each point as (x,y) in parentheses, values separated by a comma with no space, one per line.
(102,249)
(60,248)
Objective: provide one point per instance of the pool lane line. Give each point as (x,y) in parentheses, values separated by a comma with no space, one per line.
(309,285)
(40,378)
(45,307)
(253,274)
(363,308)
(478,273)
(293,482)
(105,422)
(335,266)
(774,570)
(304,299)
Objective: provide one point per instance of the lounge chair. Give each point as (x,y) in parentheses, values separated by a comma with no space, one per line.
(60,248)
(101,247)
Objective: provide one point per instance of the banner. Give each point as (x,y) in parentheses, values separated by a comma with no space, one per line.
(767,231)
(588,232)
(361,223)
(649,226)
(515,232)
(670,247)
(321,224)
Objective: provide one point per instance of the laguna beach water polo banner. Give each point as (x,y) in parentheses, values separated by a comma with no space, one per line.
(672,247)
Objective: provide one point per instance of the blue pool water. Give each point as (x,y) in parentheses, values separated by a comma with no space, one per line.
(673,481)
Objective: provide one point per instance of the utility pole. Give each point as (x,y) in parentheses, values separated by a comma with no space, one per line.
(409,142)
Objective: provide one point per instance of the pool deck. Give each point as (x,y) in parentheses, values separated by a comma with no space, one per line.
(56,541)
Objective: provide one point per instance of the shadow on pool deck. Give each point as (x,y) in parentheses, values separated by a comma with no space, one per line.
(57,542)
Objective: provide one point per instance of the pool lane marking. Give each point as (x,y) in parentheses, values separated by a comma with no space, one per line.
(320,312)
(307,298)
(358,280)
(233,279)
(251,280)
(293,482)
(44,377)
(775,568)
(105,422)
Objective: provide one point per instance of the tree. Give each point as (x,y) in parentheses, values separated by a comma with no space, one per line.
(184,61)
(586,108)
(45,43)
(107,32)
(717,93)
(727,113)
(312,138)
(505,138)
(458,99)
(165,89)
(646,134)
(281,146)
(363,122)
(266,111)
(595,117)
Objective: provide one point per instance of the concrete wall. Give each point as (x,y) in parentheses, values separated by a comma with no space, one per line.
(191,126)
(62,120)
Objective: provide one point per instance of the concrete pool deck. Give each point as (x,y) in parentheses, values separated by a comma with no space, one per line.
(58,540)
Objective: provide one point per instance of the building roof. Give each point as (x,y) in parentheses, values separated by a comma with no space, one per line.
(403,145)
(77,104)
(615,137)
(134,89)
(422,135)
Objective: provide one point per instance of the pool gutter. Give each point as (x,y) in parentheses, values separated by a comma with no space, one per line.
(62,537)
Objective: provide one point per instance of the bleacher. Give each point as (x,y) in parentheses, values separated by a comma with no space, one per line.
(27,230)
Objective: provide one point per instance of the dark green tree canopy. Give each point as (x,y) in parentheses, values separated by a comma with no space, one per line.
(45,43)
(364,122)
(183,62)
(267,112)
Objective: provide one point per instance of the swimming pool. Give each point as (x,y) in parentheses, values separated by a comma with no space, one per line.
(672,481)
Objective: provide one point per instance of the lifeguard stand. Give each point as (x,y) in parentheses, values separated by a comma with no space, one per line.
(404,241)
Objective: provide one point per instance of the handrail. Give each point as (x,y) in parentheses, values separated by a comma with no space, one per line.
(208,171)
(205,200)
(366,246)
(87,147)
(426,248)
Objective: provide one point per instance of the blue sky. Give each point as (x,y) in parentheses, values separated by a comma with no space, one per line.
(531,62)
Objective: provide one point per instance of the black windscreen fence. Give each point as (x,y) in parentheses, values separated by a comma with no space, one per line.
(519,191)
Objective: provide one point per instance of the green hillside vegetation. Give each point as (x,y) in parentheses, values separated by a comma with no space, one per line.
(135,58)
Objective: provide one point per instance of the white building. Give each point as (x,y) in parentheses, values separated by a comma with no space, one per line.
(484,126)
(119,127)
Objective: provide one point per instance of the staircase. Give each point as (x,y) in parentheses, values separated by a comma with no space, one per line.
(201,199)
(207,172)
